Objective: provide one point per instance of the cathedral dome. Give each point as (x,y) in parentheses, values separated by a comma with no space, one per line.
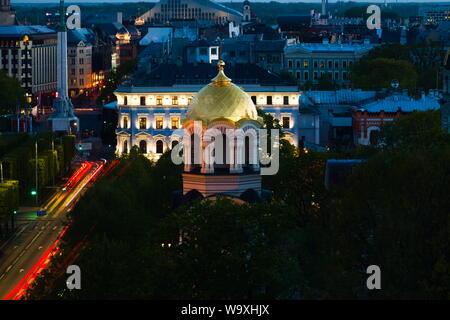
(221,99)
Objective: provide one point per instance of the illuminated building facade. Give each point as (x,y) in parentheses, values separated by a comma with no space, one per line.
(150,110)
(28,53)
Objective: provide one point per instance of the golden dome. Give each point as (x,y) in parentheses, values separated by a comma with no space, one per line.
(221,99)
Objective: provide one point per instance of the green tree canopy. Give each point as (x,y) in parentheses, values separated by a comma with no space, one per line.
(376,74)
(11,94)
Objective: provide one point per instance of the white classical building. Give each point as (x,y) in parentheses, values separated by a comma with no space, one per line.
(149,114)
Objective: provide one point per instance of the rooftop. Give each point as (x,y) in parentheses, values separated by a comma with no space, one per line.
(201,73)
(24,30)
(403,102)
(330,47)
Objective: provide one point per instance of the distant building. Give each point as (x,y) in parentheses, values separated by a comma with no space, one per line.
(308,62)
(29,54)
(368,118)
(7,15)
(121,40)
(170,10)
(328,115)
(151,106)
(251,48)
(80,44)
(202,51)
(434,14)
(293,26)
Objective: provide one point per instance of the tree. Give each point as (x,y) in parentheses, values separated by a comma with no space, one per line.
(11,94)
(378,73)
(326,83)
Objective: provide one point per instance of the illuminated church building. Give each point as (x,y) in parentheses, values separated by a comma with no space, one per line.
(219,108)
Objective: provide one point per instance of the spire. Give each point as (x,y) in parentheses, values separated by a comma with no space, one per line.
(221,80)
(62,16)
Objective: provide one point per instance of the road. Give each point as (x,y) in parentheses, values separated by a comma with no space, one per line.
(29,250)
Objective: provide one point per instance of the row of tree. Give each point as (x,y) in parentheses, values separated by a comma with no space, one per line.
(310,242)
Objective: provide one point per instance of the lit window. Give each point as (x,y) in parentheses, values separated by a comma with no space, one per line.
(175,100)
(159,101)
(159,122)
(306,63)
(175,122)
(125,122)
(142,123)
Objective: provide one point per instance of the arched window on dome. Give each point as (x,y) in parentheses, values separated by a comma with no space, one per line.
(159,147)
(143,146)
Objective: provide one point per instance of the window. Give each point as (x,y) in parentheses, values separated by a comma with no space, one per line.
(306,76)
(316,65)
(81,82)
(125,122)
(213,50)
(336,76)
(297,64)
(72,72)
(159,122)
(142,101)
(344,64)
(143,123)
(125,101)
(81,61)
(322,65)
(143,146)
(330,64)
(81,71)
(189,100)
(269,100)
(286,122)
(344,75)
(315,75)
(175,100)
(286,100)
(125,147)
(336,64)
(159,147)
(175,122)
(297,75)
(289,63)
(254,99)
(306,64)
(159,101)
(174,143)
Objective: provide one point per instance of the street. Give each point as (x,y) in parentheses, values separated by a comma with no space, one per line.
(29,250)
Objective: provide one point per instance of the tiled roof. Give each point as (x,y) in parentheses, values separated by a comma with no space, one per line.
(340,96)
(202,73)
(24,30)
(403,102)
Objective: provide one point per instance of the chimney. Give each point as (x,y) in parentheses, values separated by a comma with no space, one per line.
(119,17)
